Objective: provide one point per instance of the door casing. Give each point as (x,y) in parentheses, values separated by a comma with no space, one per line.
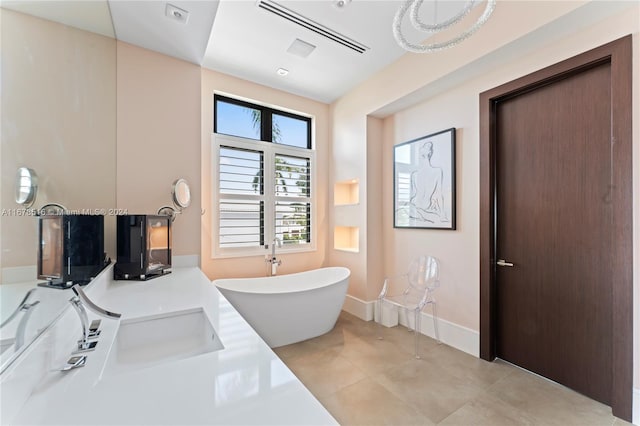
(619,54)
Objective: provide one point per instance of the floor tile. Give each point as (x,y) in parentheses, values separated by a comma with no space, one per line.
(297,349)
(490,411)
(325,372)
(338,338)
(549,403)
(368,403)
(372,355)
(433,391)
(364,380)
(467,367)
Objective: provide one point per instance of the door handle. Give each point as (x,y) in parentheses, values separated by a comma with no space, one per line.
(502,262)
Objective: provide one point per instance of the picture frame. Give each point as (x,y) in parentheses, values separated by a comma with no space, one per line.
(424,182)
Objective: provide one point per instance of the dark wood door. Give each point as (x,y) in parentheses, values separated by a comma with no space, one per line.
(556,199)
(554,223)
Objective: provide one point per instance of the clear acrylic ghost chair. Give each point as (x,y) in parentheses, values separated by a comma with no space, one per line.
(420,282)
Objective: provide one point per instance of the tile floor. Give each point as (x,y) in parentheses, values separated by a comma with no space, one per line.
(362,380)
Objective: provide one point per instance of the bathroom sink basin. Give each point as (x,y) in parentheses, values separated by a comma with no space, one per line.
(149,341)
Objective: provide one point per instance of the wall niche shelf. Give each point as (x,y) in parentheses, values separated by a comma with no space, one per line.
(346,238)
(346,193)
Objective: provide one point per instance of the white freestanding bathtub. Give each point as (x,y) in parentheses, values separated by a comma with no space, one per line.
(290,308)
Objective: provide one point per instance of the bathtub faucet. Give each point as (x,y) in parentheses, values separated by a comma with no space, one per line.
(272,260)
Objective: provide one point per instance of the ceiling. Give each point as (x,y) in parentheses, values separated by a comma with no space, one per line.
(90,16)
(251,43)
(147,24)
(239,38)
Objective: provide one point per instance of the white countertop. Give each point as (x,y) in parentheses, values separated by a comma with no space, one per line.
(51,304)
(244,383)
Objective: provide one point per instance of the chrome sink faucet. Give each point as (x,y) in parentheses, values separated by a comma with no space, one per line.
(23,306)
(89,331)
(27,309)
(272,260)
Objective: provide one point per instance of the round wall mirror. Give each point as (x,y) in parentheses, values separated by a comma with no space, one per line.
(26,186)
(52,209)
(181,194)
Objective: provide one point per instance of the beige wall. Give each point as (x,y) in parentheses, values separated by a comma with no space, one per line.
(459,250)
(348,161)
(58,118)
(214,82)
(377,157)
(159,138)
(449,84)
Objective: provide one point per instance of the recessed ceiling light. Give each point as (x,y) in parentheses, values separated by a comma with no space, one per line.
(341,4)
(282,71)
(301,48)
(176,13)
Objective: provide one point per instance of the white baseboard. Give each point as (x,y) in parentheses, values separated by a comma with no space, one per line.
(636,407)
(186,261)
(359,308)
(19,274)
(454,335)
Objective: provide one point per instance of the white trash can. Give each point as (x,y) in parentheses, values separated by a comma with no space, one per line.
(388,315)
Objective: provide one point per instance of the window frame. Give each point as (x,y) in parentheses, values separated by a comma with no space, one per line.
(266,119)
(270,151)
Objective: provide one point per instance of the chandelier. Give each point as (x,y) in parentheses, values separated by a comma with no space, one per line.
(413,6)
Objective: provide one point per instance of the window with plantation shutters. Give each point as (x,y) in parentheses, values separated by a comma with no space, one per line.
(262,190)
(241,197)
(292,199)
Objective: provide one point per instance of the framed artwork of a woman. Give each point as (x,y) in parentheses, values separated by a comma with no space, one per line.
(424,182)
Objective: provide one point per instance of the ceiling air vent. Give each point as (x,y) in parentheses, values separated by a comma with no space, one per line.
(307,23)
